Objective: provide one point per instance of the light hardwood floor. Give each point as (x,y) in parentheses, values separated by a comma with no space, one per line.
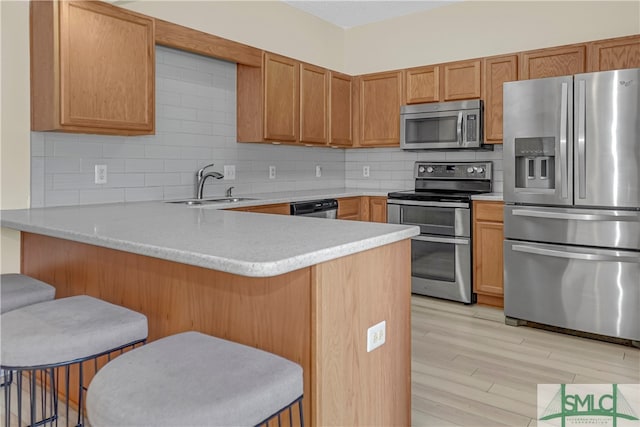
(470,369)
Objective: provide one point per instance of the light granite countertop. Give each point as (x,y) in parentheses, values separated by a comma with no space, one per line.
(243,243)
(495,197)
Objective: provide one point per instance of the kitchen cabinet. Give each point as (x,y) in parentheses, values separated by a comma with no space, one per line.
(422,84)
(461,80)
(350,208)
(552,62)
(377,209)
(340,109)
(379,98)
(314,109)
(497,70)
(92,68)
(613,54)
(488,236)
(277,209)
(281,98)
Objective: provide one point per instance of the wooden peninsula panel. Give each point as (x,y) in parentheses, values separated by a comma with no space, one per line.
(316,316)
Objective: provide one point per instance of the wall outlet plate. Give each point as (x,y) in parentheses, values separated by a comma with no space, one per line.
(318,171)
(272,172)
(365,171)
(229,172)
(376,335)
(100,174)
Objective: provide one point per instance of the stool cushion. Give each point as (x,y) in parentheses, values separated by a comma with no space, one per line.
(18,290)
(192,379)
(66,329)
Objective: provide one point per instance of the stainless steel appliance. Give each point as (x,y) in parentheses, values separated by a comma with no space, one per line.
(325,208)
(441,207)
(444,125)
(572,188)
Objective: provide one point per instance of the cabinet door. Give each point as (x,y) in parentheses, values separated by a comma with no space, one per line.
(614,54)
(561,61)
(497,70)
(422,84)
(314,92)
(281,89)
(380,100)
(277,209)
(96,74)
(349,208)
(488,264)
(378,209)
(462,80)
(340,112)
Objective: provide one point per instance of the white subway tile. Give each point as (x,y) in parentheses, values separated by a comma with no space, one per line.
(122,180)
(77,149)
(61,198)
(180,165)
(161,152)
(143,194)
(109,195)
(144,165)
(123,151)
(159,179)
(62,165)
(73,181)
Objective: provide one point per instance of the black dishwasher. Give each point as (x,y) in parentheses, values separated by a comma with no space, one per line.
(325,208)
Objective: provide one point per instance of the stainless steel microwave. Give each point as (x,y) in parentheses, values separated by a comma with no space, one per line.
(441,126)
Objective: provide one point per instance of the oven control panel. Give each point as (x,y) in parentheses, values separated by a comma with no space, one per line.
(458,171)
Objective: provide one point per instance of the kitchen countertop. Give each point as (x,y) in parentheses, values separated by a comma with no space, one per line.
(242,243)
(495,197)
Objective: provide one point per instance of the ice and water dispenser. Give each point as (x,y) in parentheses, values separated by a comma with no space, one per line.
(535,162)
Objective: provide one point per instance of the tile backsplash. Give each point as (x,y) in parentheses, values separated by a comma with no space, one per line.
(195,126)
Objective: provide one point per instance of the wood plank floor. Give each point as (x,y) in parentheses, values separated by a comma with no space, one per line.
(470,369)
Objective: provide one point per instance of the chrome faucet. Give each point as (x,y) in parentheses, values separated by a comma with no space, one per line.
(228,192)
(201,177)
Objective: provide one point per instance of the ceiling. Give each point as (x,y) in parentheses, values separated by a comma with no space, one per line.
(348,14)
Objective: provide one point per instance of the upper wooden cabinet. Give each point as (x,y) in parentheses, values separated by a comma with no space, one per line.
(314,109)
(92,68)
(281,98)
(553,62)
(422,84)
(379,98)
(497,70)
(614,54)
(340,109)
(462,80)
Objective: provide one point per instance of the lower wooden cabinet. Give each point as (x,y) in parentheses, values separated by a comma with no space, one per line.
(488,260)
(350,208)
(278,209)
(377,209)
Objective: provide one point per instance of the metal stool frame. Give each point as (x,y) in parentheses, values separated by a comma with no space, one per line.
(49,398)
(289,410)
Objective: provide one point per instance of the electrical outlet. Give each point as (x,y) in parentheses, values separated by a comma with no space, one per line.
(365,171)
(376,335)
(318,171)
(229,172)
(272,172)
(101,174)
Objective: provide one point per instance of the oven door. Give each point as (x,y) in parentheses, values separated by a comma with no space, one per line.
(445,219)
(441,267)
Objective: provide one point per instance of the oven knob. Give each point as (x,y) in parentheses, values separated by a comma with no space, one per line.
(469,169)
(421,169)
(480,170)
(429,169)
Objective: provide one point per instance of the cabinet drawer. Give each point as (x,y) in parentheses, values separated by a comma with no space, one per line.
(488,211)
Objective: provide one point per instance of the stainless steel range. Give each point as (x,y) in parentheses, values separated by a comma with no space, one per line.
(441,206)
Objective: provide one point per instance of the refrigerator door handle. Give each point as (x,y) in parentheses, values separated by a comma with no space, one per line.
(576,255)
(582,164)
(564,113)
(459,130)
(576,216)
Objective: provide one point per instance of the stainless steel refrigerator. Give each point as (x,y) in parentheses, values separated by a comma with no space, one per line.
(572,194)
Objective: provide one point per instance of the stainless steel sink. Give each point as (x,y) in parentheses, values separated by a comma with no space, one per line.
(199,202)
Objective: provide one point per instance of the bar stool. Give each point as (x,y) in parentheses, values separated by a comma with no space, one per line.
(195,379)
(18,290)
(39,339)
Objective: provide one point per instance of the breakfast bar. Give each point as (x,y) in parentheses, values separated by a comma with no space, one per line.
(303,288)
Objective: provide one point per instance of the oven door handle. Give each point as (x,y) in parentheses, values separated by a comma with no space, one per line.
(441,240)
(429,204)
(576,255)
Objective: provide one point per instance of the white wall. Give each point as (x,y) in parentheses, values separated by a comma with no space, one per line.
(472,29)
(14,122)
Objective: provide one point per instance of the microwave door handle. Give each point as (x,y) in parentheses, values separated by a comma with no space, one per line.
(627,257)
(564,111)
(460,128)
